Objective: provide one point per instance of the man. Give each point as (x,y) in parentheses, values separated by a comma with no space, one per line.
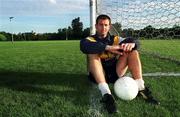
(109,57)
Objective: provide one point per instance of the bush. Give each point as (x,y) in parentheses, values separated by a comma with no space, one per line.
(3,38)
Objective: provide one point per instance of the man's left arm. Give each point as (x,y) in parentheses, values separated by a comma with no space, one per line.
(129,44)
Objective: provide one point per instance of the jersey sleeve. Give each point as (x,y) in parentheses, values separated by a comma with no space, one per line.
(90,46)
(130,40)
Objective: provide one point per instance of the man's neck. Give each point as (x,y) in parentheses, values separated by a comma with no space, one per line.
(102,36)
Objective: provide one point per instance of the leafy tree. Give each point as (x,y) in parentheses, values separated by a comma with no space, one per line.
(77,28)
(116,28)
(3,38)
(176,30)
(149,31)
(65,33)
(86,32)
(128,32)
(7,35)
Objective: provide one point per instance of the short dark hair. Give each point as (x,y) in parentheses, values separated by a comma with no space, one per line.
(103,16)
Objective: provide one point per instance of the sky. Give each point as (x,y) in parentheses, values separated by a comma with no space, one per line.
(41,16)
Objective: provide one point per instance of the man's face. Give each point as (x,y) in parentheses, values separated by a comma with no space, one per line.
(103,27)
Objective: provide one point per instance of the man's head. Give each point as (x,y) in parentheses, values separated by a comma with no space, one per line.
(103,25)
(103,17)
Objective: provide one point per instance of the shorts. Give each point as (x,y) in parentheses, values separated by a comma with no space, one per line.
(110,73)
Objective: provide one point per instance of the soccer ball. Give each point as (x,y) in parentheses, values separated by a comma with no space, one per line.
(126,88)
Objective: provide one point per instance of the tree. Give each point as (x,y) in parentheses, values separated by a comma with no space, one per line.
(86,32)
(3,38)
(77,28)
(7,35)
(116,28)
(176,30)
(128,32)
(149,31)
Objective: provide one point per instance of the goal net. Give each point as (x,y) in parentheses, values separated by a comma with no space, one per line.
(142,18)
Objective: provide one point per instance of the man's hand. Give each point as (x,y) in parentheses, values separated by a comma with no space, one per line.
(127,47)
(120,49)
(114,49)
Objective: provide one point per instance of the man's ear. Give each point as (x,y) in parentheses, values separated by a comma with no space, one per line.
(110,26)
(96,26)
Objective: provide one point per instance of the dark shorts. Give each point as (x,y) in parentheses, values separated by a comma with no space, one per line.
(110,72)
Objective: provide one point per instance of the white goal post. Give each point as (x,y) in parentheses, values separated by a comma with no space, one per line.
(92,4)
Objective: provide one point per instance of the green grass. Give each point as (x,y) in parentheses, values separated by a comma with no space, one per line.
(165,48)
(168,96)
(152,64)
(43,56)
(48,79)
(153,54)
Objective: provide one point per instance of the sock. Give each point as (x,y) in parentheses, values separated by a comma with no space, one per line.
(140,83)
(104,88)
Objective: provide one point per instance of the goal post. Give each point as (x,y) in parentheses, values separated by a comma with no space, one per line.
(93,7)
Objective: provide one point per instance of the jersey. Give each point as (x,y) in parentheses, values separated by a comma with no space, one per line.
(94,45)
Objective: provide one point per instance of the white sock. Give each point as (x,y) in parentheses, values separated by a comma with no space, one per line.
(104,88)
(140,83)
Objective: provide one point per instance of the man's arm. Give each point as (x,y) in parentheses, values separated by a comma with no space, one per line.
(90,46)
(130,44)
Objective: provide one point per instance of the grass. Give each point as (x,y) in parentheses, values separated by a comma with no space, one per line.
(160,55)
(48,79)
(41,56)
(168,96)
(153,64)
(165,48)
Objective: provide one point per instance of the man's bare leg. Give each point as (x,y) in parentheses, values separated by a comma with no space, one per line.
(134,65)
(132,61)
(96,69)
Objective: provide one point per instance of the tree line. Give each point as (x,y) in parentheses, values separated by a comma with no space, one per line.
(73,32)
(76,32)
(149,32)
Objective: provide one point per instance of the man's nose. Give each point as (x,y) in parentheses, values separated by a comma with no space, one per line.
(104,26)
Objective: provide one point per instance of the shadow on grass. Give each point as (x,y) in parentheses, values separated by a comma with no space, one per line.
(70,86)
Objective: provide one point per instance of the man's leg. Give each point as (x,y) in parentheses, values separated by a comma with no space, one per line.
(132,61)
(96,69)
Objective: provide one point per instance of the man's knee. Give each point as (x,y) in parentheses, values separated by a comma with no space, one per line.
(93,57)
(135,52)
(93,60)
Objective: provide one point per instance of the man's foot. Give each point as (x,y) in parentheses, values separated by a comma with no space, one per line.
(110,104)
(146,94)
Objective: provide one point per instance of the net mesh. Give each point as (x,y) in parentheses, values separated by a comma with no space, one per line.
(143,18)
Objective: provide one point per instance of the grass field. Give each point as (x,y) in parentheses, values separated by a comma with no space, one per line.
(166,48)
(48,79)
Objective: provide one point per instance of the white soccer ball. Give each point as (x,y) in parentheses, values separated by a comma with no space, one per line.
(126,88)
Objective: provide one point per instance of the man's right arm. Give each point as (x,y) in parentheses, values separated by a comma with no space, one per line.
(90,46)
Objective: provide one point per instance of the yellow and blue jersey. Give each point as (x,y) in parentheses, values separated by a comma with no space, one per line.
(94,45)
